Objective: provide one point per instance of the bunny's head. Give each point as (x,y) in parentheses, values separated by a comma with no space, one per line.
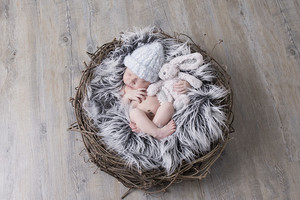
(185,62)
(168,71)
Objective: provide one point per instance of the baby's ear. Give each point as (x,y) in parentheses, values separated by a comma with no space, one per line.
(190,61)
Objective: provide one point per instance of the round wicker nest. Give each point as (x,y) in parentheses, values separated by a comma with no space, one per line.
(155,180)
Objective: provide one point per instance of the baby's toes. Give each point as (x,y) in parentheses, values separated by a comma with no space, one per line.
(172,123)
(131,124)
(136,130)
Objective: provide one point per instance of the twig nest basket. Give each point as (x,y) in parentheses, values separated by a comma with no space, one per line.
(150,176)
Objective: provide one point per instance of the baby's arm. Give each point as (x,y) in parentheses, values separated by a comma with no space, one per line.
(134,95)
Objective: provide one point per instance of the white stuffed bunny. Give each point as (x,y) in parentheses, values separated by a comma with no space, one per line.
(170,74)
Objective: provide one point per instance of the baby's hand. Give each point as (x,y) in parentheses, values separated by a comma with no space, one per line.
(181,87)
(137,95)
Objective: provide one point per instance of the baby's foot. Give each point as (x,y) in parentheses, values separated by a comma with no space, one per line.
(134,127)
(167,130)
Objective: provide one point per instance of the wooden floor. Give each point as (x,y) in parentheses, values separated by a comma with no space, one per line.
(42,49)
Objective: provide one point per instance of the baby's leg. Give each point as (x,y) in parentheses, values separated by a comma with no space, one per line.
(147,126)
(163,114)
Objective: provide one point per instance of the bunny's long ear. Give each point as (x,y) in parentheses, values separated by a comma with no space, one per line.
(189,61)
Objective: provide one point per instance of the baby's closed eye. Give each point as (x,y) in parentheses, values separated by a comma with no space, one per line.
(141,80)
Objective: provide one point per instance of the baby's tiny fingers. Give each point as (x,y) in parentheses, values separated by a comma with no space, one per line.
(178,84)
(143,95)
(182,91)
(136,98)
(176,89)
(142,89)
(141,98)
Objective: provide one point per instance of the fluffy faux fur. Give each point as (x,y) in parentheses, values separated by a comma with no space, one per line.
(198,125)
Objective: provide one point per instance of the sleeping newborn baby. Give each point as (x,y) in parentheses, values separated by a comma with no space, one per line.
(147,115)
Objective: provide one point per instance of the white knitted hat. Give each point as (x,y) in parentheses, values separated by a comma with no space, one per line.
(146,61)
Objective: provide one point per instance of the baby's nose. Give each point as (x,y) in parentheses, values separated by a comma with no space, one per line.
(131,81)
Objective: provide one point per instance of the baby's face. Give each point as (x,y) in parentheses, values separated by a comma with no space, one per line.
(133,81)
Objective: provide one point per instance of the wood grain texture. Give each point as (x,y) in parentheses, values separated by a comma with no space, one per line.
(42,49)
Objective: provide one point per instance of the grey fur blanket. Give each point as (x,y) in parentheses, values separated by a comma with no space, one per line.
(198,125)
